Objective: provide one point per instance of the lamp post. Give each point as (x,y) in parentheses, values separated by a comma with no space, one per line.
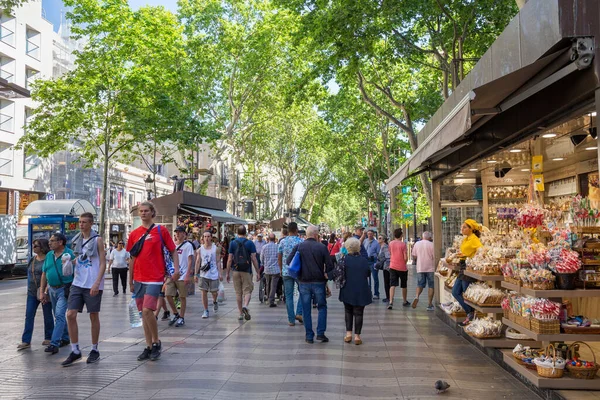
(149,182)
(415,195)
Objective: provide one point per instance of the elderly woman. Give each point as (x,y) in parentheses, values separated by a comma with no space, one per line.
(356,293)
(35,297)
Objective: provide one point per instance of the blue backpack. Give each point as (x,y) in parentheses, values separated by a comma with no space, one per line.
(295,265)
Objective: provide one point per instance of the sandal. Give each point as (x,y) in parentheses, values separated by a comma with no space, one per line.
(357,341)
(348,339)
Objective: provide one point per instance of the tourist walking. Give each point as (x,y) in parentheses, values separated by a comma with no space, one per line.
(87,288)
(471,231)
(398,269)
(118,265)
(383,263)
(242,256)
(372,247)
(179,287)
(359,233)
(57,286)
(209,272)
(35,296)
(356,292)
(333,247)
(148,272)
(269,258)
(423,256)
(316,264)
(285,247)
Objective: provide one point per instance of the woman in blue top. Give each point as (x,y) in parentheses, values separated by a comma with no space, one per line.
(356,293)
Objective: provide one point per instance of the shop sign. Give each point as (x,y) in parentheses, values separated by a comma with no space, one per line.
(538,181)
(537,164)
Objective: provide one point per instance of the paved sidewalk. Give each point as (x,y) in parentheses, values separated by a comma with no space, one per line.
(404,352)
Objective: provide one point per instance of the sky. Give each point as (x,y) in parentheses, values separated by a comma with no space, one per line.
(53,8)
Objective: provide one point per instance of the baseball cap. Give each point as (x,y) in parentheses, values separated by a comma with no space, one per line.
(359,227)
(180,229)
(260,235)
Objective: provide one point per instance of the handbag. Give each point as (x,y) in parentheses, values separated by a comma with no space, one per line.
(295,266)
(67,286)
(169,268)
(136,249)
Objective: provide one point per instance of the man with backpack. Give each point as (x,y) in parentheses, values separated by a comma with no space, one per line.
(185,253)
(242,256)
(87,288)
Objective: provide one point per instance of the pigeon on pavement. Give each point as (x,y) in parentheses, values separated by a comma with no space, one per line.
(441,386)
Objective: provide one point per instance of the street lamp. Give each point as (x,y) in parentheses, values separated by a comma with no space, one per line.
(415,195)
(149,182)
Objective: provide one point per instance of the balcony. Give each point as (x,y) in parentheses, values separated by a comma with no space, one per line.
(7,123)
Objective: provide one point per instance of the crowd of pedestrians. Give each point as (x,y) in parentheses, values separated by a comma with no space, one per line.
(65,279)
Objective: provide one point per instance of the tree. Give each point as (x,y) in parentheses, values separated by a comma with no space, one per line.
(125,70)
(10,5)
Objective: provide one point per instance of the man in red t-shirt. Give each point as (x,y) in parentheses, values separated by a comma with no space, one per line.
(147,274)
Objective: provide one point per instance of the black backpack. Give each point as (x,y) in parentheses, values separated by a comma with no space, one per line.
(241,258)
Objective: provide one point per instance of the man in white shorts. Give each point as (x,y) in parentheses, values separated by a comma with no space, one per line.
(208,271)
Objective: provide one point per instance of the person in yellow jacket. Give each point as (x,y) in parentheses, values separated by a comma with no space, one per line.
(471,231)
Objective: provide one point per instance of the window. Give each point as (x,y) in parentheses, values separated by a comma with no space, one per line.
(31,166)
(120,199)
(224,175)
(131,199)
(112,198)
(33,43)
(8,26)
(6,159)
(7,112)
(32,75)
(7,68)
(160,169)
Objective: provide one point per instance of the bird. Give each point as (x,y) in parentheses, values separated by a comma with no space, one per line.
(441,386)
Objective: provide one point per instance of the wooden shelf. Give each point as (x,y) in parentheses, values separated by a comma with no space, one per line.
(504,343)
(486,310)
(452,317)
(484,278)
(565,382)
(555,293)
(550,338)
(510,286)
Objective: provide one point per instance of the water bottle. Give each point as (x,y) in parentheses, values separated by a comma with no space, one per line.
(135,318)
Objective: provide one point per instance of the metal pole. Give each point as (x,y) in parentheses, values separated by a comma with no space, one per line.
(415,220)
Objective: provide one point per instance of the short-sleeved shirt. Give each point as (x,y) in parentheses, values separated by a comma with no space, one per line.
(149,265)
(250,248)
(183,252)
(397,251)
(119,258)
(424,252)
(286,245)
(54,278)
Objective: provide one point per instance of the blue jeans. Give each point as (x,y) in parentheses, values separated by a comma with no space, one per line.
(288,284)
(307,291)
(30,311)
(375,274)
(59,308)
(458,289)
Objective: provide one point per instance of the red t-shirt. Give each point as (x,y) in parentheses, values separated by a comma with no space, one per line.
(149,265)
(397,252)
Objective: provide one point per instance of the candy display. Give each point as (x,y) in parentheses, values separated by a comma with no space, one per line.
(452,307)
(484,328)
(531,216)
(528,307)
(483,295)
(537,278)
(582,212)
(550,365)
(566,262)
(442,268)
(451,279)
(525,355)
(578,368)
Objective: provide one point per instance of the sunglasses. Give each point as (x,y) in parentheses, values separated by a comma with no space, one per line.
(36,245)
(121,243)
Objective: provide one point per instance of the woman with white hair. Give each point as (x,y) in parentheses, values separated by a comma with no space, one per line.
(356,292)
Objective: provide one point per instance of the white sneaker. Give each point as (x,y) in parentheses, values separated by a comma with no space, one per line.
(215,306)
(205,314)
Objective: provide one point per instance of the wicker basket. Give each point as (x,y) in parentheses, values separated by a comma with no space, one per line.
(512,280)
(581,372)
(539,285)
(545,327)
(550,372)
(523,363)
(522,321)
(579,330)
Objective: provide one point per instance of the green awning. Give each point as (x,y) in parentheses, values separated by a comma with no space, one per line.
(216,215)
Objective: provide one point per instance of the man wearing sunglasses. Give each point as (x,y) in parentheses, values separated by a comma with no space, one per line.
(118,263)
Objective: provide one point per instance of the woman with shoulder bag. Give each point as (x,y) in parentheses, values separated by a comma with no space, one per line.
(35,296)
(383,263)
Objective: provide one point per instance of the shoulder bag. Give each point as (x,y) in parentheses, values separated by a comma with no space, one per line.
(136,249)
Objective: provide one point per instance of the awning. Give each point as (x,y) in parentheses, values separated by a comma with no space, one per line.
(216,215)
(59,207)
(489,99)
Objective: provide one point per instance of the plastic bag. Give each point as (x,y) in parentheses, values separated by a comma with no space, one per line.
(67,265)
(135,318)
(221,293)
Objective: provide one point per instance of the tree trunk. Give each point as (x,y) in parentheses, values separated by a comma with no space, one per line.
(102,232)
(521,3)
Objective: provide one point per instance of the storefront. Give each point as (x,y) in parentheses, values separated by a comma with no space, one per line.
(117,232)
(515,148)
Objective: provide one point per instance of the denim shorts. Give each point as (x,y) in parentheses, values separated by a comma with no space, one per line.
(425,279)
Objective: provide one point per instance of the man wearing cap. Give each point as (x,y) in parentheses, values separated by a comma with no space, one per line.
(259,243)
(185,252)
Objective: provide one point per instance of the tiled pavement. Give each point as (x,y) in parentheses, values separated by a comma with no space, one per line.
(404,352)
